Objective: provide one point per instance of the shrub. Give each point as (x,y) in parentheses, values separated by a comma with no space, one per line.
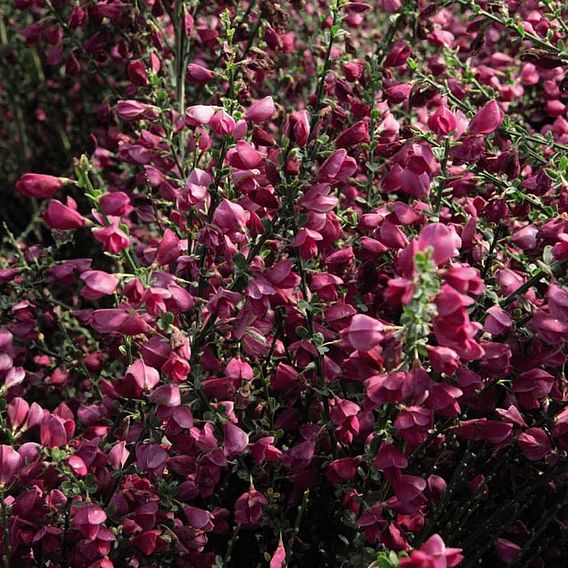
(300,297)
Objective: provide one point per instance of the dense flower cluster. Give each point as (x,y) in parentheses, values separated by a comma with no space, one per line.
(302,300)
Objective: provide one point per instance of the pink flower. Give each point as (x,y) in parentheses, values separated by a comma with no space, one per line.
(389,456)
(88,518)
(149,542)
(338,167)
(354,135)
(248,508)
(264,450)
(230,217)
(531,386)
(235,440)
(398,54)
(443,359)
(137,73)
(199,74)
(558,302)
(279,557)
(130,110)
(443,121)
(118,455)
(487,120)
(222,123)
(118,321)
(387,388)
(198,115)
(506,549)
(464,278)
(299,456)
(98,284)
(534,444)
(151,458)
(53,433)
(342,470)
(10,464)
(77,464)
(298,127)
(116,203)
(548,328)
(364,333)
(64,217)
(169,248)
(166,395)
(443,240)
(260,110)
(144,376)
(433,553)
(40,186)
(498,321)
(112,237)
(244,156)
(307,241)
(353,70)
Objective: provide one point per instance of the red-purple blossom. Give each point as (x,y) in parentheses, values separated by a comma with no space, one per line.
(433,553)
(64,217)
(40,186)
(260,110)
(534,444)
(442,121)
(326,261)
(248,508)
(487,119)
(10,464)
(88,518)
(364,333)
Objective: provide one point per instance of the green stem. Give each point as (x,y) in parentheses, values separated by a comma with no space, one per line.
(6,534)
(230,546)
(535,279)
(443,173)
(296,531)
(321,84)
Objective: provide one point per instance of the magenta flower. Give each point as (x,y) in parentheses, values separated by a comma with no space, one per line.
(40,186)
(279,557)
(487,120)
(534,444)
(222,123)
(98,284)
(443,121)
(198,115)
(443,240)
(230,217)
(433,553)
(112,237)
(143,375)
(64,217)
(298,127)
(53,432)
(235,440)
(364,333)
(10,464)
(354,135)
(88,518)
(244,156)
(260,110)
(151,458)
(116,204)
(248,508)
(199,73)
(131,110)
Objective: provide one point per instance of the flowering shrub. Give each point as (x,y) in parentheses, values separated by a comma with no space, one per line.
(300,299)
